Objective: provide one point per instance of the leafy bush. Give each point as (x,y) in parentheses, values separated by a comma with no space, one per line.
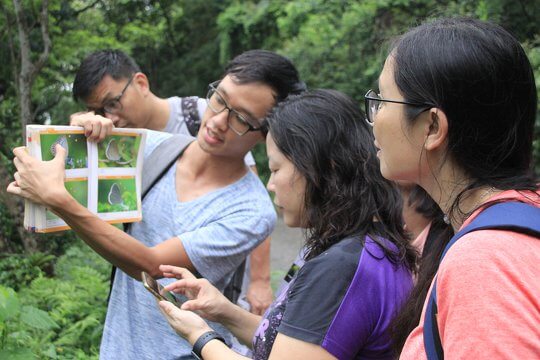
(21,325)
(59,317)
(18,270)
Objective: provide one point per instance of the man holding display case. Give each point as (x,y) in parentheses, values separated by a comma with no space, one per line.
(206,213)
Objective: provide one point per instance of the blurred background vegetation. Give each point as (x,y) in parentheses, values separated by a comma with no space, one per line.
(53,289)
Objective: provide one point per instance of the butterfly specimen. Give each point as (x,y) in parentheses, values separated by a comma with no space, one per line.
(115,195)
(112,152)
(62,140)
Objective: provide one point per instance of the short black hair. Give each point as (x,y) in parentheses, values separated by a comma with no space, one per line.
(269,68)
(99,64)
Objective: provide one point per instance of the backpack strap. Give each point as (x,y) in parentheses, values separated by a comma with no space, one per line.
(511,216)
(155,166)
(190,114)
(161,160)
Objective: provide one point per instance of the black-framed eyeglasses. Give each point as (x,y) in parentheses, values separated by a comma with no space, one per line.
(239,123)
(113,105)
(373,101)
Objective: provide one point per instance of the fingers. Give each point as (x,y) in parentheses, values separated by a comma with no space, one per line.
(93,133)
(96,127)
(17,163)
(17,178)
(192,305)
(175,271)
(60,153)
(13,188)
(75,119)
(21,153)
(167,307)
(256,309)
(182,285)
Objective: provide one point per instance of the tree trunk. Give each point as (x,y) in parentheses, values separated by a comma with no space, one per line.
(25,80)
(29,70)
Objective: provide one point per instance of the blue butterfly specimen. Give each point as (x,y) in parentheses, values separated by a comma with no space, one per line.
(62,140)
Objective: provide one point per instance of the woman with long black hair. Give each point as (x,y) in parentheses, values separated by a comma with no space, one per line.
(340,304)
(455,114)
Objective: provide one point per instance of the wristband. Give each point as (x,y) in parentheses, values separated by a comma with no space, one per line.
(203,340)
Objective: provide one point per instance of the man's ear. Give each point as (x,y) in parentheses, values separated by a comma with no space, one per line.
(142,83)
(438,129)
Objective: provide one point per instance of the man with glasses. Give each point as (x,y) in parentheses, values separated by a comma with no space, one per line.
(206,213)
(99,84)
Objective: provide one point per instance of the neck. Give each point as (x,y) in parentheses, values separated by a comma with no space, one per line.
(200,163)
(445,189)
(159,113)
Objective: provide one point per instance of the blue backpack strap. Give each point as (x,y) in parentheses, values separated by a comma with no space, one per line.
(511,216)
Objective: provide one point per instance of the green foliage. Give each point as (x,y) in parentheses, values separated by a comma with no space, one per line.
(19,325)
(18,270)
(58,317)
(182,45)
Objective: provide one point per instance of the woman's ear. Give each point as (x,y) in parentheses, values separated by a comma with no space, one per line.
(438,129)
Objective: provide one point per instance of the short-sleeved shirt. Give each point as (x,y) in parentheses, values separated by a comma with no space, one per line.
(343,300)
(217,230)
(488,295)
(185,117)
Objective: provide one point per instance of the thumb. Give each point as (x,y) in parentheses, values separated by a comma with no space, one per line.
(167,307)
(60,153)
(192,305)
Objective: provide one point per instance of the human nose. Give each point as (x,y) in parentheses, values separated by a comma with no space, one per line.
(220,120)
(270,185)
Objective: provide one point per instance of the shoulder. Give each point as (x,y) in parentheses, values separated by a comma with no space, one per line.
(497,268)
(342,257)
(249,190)
(153,139)
(174,101)
(485,251)
(245,202)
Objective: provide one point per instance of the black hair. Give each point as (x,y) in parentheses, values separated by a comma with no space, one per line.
(479,76)
(99,64)
(438,236)
(324,134)
(268,68)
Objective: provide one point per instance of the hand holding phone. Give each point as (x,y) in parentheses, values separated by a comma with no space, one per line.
(157,290)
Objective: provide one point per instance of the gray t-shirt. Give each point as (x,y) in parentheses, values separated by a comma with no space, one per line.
(217,230)
(185,118)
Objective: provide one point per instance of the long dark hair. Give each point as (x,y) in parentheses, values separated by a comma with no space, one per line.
(479,76)
(323,133)
(437,238)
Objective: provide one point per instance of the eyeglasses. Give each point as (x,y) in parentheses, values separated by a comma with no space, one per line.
(373,103)
(114,105)
(240,124)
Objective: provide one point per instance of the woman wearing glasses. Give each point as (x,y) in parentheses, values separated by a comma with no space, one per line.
(455,114)
(340,303)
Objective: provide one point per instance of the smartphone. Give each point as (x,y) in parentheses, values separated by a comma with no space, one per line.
(157,290)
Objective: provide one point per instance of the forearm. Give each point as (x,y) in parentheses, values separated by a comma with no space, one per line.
(117,247)
(216,350)
(240,322)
